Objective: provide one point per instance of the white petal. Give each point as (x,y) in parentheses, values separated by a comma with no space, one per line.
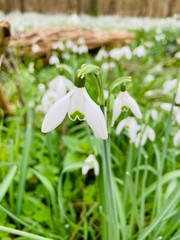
(56,113)
(176,139)
(151,133)
(177,99)
(133,129)
(90,163)
(116,109)
(77,105)
(121,125)
(132,104)
(95,117)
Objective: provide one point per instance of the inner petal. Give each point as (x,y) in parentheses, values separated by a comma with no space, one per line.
(77,101)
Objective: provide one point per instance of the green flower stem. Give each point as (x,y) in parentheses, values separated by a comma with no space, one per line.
(110,229)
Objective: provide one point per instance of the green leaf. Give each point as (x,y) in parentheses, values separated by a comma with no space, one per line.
(7,181)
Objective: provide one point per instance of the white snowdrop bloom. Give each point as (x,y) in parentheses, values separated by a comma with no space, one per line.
(176,139)
(154,114)
(65,55)
(169,85)
(145,133)
(90,163)
(131,124)
(53,60)
(74,19)
(81,41)
(177,55)
(31,67)
(58,45)
(123,101)
(118,53)
(41,87)
(108,65)
(60,85)
(102,53)
(149,78)
(176,111)
(75,48)
(48,99)
(160,37)
(149,44)
(35,48)
(78,105)
(82,49)
(140,51)
(31,104)
(177,98)
(70,45)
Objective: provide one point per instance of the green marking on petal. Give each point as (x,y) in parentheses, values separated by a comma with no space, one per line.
(77,115)
(125,109)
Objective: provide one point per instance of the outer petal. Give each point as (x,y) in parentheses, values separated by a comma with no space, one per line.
(116,109)
(90,163)
(133,129)
(177,99)
(132,104)
(151,133)
(121,125)
(176,139)
(95,117)
(56,113)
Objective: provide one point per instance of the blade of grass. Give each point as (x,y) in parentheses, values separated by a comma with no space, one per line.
(7,182)
(24,164)
(22,233)
(169,205)
(47,184)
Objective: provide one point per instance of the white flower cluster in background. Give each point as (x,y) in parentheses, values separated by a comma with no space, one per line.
(20,22)
(57,88)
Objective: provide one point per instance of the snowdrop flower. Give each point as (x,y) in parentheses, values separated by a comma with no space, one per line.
(108,65)
(74,19)
(140,51)
(91,163)
(35,48)
(82,49)
(60,85)
(101,55)
(149,44)
(145,133)
(177,98)
(132,125)
(65,56)
(154,114)
(176,139)
(58,45)
(78,105)
(70,45)
(149,78)
(169,85)
(176,111)
(160,37)
(81,41)
(41,87)
(53,60)
(123,101)
(177,55)
(118,53)
(31,67)
(48,99)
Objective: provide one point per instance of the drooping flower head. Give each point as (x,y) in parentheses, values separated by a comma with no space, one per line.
(77,104)
(124,99)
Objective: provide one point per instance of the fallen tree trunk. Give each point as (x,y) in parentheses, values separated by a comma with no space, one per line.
(47,38)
